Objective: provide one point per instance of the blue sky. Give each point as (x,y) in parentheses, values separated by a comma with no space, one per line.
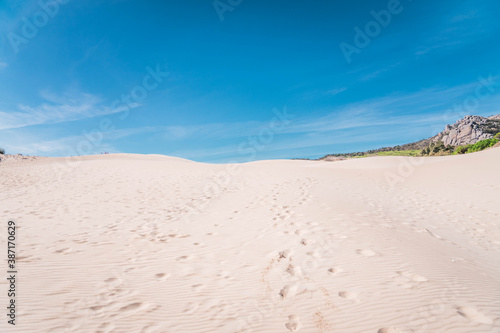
(206,80)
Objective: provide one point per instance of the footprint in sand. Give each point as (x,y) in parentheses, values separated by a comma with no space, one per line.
(65,250)
(367,253)
(111,283)
(474,315)
(334,270)
(106,328)
(198,287)
(285,254)
(348,295)
(162,276)
(388,330)
(132,307)
(412,277)
(294,270)
(293,324)
(306,241)
(418,278)
(288,291)
(191,308)
(314,254)
(153,329)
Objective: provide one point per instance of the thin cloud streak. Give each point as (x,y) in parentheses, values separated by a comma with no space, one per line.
(58,109)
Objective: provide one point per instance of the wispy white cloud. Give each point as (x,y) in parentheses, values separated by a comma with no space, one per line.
(337,91)
(380,71)
(315,94)
(57,109)
(212,130)
(34,146)
(455,29)
(24,141)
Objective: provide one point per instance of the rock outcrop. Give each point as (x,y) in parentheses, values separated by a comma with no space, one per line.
(468,130)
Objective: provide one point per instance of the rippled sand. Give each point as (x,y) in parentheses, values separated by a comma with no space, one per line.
(131,243)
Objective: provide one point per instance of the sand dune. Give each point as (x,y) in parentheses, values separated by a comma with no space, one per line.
(130,243)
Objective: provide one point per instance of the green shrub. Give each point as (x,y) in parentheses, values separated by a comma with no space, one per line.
(2,151)
(462,149)
(478,146)
(492,126)
(481,145)
(437,149)
(497,136)
(399,153)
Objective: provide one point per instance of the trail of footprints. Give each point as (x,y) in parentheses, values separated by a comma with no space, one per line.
(112,303)
(294,276)
(296,280)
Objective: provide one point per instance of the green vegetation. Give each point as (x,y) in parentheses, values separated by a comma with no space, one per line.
(414,152)
(478,146)
(429,148)
(379,152)
(462,149)
(437,149)
(492,126)
(2,151)
(481,145)
(409,149)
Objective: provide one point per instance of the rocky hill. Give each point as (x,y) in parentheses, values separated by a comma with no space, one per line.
(468,130)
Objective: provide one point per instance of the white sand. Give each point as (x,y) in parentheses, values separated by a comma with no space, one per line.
(129,243)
